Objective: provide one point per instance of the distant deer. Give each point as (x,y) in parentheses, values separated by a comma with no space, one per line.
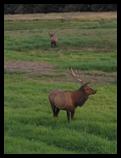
(53,39)
(69,100)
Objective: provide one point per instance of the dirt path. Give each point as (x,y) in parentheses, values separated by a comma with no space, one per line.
(51,73)
(28,67)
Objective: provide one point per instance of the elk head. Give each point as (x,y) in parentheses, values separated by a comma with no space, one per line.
(85,88)
(51,34)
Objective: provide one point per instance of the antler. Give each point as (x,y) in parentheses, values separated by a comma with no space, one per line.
(76,75)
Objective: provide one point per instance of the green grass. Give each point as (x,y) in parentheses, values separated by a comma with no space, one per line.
(26,35)
(29,124)
(28,116)
(63,60)
(55,24)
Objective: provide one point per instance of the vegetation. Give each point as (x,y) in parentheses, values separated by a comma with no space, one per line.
(33,69)
(39,8)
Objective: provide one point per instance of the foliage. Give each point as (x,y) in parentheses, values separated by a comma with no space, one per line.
(38,8)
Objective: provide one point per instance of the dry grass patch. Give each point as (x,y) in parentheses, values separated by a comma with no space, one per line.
(41,68)
(64,16)
(45,69)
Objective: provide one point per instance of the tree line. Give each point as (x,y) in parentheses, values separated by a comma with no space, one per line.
(46,8)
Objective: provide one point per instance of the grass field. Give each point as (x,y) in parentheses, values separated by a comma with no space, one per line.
(33,69)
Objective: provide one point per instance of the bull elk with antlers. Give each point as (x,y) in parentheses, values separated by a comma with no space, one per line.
(69,100)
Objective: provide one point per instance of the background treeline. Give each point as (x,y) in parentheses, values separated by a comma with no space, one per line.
(45,8)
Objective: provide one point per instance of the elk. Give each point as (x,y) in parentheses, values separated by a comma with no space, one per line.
(53,39)
(70,100)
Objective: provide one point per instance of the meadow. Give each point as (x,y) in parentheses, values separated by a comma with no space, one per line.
(33,69)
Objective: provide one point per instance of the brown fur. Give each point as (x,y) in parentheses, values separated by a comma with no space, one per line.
(53,39)
(69,100)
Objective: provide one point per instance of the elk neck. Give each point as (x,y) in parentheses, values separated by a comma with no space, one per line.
(79,97)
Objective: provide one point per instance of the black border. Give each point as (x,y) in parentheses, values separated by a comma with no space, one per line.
(62,1)
(118,78)
(2,80)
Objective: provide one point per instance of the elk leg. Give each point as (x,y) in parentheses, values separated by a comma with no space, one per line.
(56,111)
(68,116)
(52,44)
(55,44)
(53,108)
(72,114)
